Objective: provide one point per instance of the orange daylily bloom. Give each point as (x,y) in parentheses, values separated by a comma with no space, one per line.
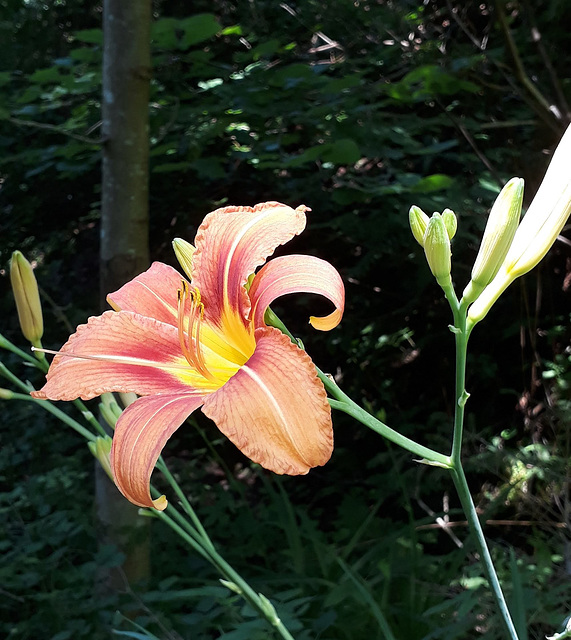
(202,342)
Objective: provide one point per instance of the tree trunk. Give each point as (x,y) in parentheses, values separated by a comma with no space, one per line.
(124,229)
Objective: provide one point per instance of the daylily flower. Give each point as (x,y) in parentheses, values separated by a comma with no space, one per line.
(203,343)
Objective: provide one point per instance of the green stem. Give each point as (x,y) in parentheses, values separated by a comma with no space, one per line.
(461,484)
(161,465)
(240,586)
(28,357)
(461,339)
(353,409)
(42,364)
(48,406)
(13,378)
(89,417)
(461,334)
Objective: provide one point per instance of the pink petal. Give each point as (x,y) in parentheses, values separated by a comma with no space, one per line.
(152,294)
(140,435)
(230,244)
(132,353)
(275,409)
(298,274)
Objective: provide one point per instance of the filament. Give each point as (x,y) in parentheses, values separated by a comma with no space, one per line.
(190,342)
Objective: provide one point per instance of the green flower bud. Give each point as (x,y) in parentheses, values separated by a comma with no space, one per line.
(6,394)
(101,449)
(418,221)
(497,239)
(128,398)
(450,222)
(437,250)
(27,298)
(184,252)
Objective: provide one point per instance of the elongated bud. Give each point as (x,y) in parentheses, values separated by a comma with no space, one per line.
(498,235)
(418,221)
(6,394)
(543,222)
(437,250)
(128,398)
(27,298)
(101,448)
(450,222)
(184,252)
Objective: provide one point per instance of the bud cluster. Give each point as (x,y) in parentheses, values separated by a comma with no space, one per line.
(509,248)
(434,234)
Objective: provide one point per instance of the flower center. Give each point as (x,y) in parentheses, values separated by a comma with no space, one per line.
(190,343)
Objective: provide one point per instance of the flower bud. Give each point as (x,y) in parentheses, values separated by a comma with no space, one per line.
(6,394)
(538,230)
(450,222)
(101,449)
(437,250)
(498,235)
(418,221)
(184,252)
(27,298)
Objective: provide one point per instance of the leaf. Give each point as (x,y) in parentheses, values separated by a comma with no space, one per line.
(42,76)
(199,28)
(435,182)
(343,151)
(172,33)
(92,36)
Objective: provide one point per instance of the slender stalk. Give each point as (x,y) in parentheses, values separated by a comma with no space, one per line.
(161,465)
(49,407)
(461,484)
(9,346)
(461,339)
(237,583)
(428,455)
(461,335)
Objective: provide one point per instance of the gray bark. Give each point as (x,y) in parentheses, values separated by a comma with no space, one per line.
(124,250)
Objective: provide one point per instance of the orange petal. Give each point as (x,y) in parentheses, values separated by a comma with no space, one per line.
(230,244)
(298,274)
(140,435)
(118,352)
(275,409)
(152,294)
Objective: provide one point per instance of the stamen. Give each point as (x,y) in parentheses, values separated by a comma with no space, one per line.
(192,350)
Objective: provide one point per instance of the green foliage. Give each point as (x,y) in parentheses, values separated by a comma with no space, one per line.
(358,110)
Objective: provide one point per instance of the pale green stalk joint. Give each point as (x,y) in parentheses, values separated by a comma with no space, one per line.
(27,298)
(498,236)
(6,394)
(101,449)
(184,252)
(437,250)
(418,221)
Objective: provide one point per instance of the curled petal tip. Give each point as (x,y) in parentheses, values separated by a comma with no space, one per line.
(160,504)
(328,322)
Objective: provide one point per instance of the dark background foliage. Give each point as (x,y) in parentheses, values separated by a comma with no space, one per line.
(358,110)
